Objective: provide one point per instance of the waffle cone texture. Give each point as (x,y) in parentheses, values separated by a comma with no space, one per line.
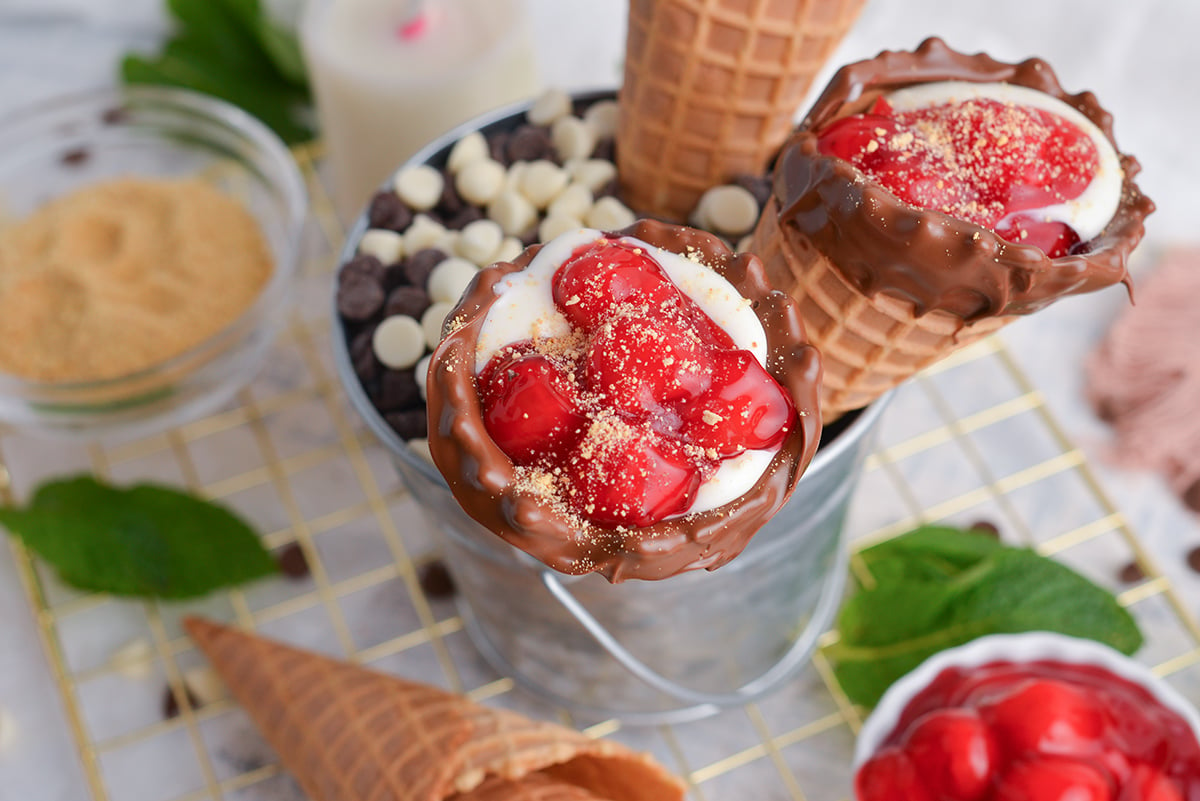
(711,91)
(347,733)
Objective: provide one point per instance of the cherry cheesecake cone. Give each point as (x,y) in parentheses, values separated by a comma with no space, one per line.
(712,89)
(887,288)
(347,733)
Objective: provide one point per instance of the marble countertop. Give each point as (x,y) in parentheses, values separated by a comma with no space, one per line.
(1140,59)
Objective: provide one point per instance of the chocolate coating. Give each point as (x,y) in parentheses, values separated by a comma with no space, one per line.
(483,479)
(929,258)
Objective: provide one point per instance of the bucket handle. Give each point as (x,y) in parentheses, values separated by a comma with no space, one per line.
(776,674)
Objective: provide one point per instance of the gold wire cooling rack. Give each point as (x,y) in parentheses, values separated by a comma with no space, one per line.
(969,440)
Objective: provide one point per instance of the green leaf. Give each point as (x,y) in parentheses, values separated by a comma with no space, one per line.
(936,588)
(146,541)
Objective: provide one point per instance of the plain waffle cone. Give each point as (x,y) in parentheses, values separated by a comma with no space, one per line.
(534,787)
(350,734)
(711,91)
(868,344)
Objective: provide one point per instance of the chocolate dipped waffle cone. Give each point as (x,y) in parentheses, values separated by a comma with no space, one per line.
(350,734)
(711,91)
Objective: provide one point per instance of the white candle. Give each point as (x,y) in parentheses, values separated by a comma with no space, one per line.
(391,75)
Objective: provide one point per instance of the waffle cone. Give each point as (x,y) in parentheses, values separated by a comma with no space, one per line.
(868,344)
(711,91)
(350,734)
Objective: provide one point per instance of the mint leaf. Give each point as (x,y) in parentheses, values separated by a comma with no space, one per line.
(938,587)
(146,541)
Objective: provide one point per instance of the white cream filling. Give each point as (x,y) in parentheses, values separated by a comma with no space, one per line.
(524,309)
(1087,214)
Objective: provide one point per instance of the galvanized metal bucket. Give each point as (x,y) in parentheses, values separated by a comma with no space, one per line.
(644,652)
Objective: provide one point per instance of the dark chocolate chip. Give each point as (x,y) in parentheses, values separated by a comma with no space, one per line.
(292,561)
(1193,559)
(436,581)
(398,391)
(1105,410)
(394,277)
(757,185)
(170,706)
(115,115)
(1131,573)
(1191,496)
(409,424)
(363,265)
(530,143)
(985,527)
(609,189)
(530,237)
(407,300)
(606,149)
(388,211)
(75,156)
(450,203)
(420,264)
(362,356)
(498,147)
(359,297)
(465,216)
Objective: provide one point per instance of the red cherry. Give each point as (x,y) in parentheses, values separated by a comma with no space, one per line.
(890,775)
(606,274)
(849,138)
(744,408)
(530,407)
(1052,779)
(1045,716)
(1146,783)
(638,362)
(1054,238)
(625,475)
(953,750)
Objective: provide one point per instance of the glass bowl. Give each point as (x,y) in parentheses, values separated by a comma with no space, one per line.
(61,145)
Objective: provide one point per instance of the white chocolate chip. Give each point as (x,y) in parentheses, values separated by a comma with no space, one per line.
(602,118)
(479,240)
(385,245)
(514,213)
(134,659)
(743,245)
(542,181)
(424,232)
(729,210)
(420,186)
(448,280)
(572,138)
(512,178)
(432,321)
(592,173)
(480,181)
(549,106)
(205,685)
(448,242)
(608,214)
(574,201)
(421,373)
(399,341)
(420,446)
(509,249)
(556,224)
(471,147)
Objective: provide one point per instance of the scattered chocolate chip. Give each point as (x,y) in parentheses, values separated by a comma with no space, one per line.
(292,561)
(498,147)
(388,211)
(985,527)
(75,156)
(1193,559)
(436,580)
(407,300)
(465,217)
(365,265)
(1131,573)
(359,296)
(606,149)
(170,706)
(362,356)
(530,143)
(409,424)
(420,264)
(398,391)
(757,185)
(1191,496)
(115,115)
(1105,410)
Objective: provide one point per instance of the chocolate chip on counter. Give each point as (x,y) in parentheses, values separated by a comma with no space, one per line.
(1131,573)
(408,300)
(465,216)
(985,527)
(115,115)
(388,211)
(757,185)
(359,297)
(363,265)
(531,143)
(606,149)
(1191,496)
(1193,559)
(170,706)
(498,147)
(75,157)
(1105,410)
(398,391)
(420,264)
(409,424)
(292,561)
(362,356)
(436,581)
